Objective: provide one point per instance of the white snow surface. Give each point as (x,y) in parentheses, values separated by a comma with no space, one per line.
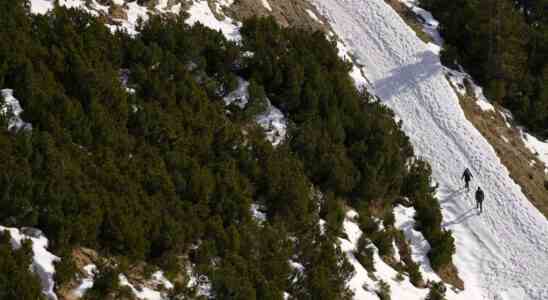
(12,104)
(272,120)
(538,147)
(267,5)
(42,260)
(500,254)
(257,211)
(404,221)
(141,292)
(313,16)
(87,281)
(240,96)
(274,124)
(200,12)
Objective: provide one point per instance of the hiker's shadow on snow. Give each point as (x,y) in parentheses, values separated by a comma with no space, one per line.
(463,217)
(408,76)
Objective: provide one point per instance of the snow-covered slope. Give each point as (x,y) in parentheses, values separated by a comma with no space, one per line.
(501,254)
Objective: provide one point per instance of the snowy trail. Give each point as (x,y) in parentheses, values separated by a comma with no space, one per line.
(501,254)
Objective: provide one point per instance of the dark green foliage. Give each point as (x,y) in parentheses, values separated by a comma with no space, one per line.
(428,216)
(383,290)
(106,285)
(65,269)
(504,45)
(165,172)
(16,279)
(437,291)
(410,266)
(350,145)
(364,254)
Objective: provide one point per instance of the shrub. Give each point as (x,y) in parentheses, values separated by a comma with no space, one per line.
(383,290)
(443,248)
(383,241)
(16,279)
(364,254)
(437,291)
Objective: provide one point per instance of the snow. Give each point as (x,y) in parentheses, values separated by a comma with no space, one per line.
(257,213)
(356,73)
(272,120)
(274,124)
(494,250)
(12,105)
(87,282)
(124,80)
(399,289)
(321,224)
(396,251)
(419,245)
(41,6)
(200,12)
(430,25)
(296,266)
(42,260)
(201,283)
(313,16)
(142,292)
(484,104)
(266,5)
(539,148)
(134,13)
(240,96)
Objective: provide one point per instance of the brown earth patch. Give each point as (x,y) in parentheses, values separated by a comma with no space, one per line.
(511,150)
(450,274)
(285,12)
(411,19)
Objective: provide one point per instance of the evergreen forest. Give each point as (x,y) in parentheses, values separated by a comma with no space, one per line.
(503,44)
(155,168)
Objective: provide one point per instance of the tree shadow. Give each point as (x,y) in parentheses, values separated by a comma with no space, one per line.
(405,77)
(451,194)
(463,217)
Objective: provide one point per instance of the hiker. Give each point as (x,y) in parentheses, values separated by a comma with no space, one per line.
(467,176)
(479,199)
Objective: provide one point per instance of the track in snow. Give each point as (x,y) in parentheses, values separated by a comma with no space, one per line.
(501,254)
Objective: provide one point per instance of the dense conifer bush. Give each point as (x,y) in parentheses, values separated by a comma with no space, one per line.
(16,280)
(504,46)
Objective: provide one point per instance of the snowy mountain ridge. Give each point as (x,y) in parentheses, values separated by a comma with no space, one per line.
(405,73)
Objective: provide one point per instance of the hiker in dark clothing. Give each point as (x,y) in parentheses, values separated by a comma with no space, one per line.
(479,199)
(467,176)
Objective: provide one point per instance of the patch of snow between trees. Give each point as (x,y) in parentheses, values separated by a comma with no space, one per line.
(12,109)
(86,283)
(312,15)
(271,120)
(142,292)
(200,12)
(538,147)
(42,260)
(404,221)
(267,5)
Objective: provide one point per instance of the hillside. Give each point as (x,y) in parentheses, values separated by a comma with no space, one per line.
(493,249)
(173,149)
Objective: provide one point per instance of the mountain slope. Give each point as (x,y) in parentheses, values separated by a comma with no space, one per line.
(494,250)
